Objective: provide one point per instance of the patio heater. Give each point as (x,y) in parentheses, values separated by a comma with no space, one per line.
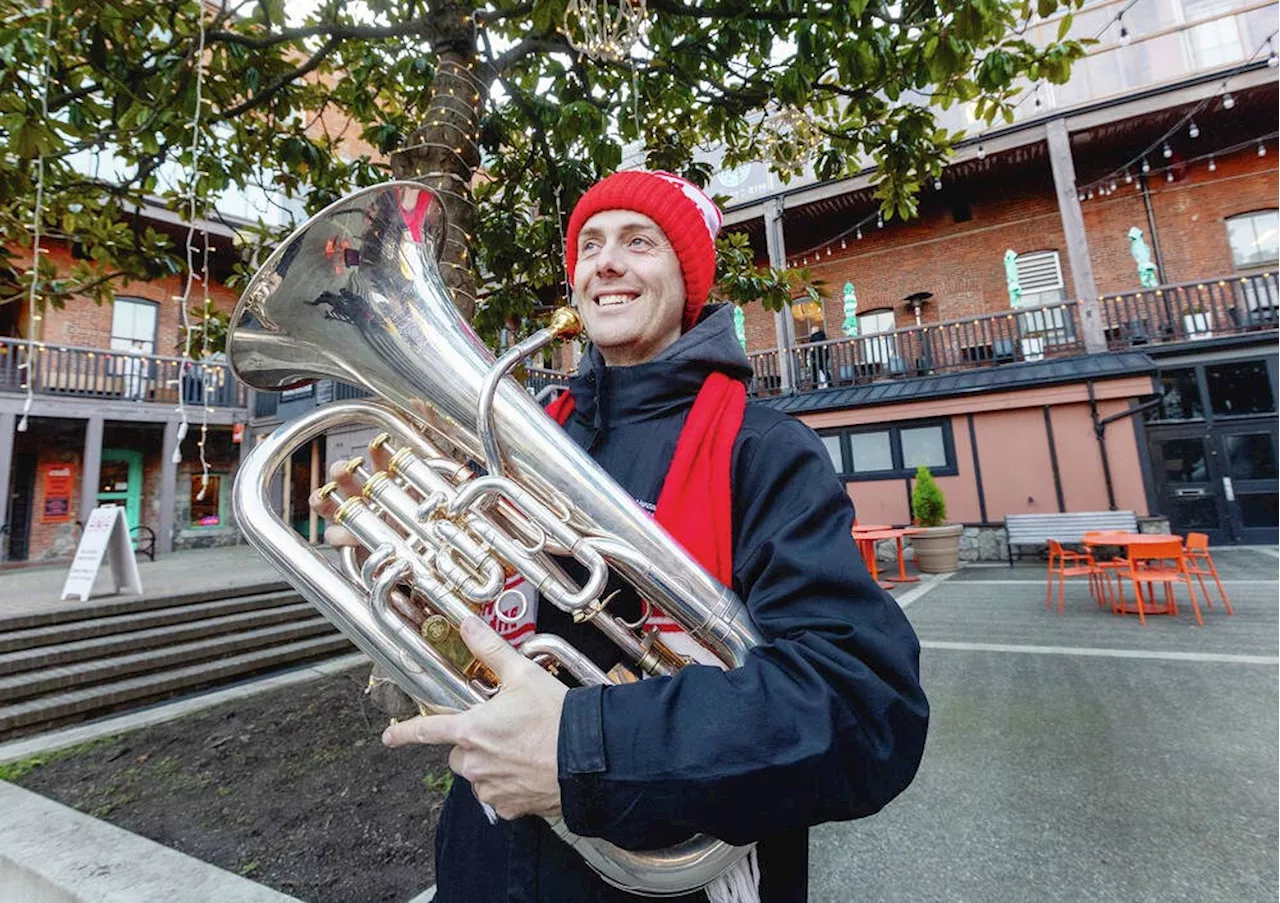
(915,301)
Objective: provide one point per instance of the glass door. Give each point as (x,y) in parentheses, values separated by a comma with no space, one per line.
(1188,481)
(1247,452)
(120,481)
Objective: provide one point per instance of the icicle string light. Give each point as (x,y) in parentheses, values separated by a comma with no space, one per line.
(193,180)
(32,317)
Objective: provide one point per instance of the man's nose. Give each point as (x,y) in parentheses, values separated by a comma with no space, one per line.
(609,260)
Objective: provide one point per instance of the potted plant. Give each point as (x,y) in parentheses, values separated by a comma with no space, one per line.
(937,544)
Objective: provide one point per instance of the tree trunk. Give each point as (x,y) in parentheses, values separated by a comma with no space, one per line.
(443,153)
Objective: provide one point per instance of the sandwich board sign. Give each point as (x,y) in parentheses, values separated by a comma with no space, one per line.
(106,532)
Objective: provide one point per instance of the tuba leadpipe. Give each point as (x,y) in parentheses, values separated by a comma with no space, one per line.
(355,295)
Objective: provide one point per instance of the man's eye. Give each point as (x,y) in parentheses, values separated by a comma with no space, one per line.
(639,242)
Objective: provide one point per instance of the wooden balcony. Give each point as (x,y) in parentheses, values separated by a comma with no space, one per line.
(1165,314)
(71,372)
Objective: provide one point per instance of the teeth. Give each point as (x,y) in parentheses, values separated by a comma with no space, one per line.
(610,300)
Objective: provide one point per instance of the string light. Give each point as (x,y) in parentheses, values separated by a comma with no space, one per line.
(1262,149)
(982,152)
(1162,142)
(1213,165)
(1168,176)
(37,216)
(1271,55)
(192,182)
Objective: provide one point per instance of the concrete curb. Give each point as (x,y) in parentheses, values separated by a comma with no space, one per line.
(50,853)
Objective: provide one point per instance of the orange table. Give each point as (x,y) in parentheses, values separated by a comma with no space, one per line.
(1128,541)
(867,537)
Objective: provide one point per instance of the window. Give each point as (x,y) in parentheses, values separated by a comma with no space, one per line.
(874,323)
(894,451)
(1240,387)
(208,511)
(1040,277)
(1215,42)
(1179,396)
(133,323)
(1255,239)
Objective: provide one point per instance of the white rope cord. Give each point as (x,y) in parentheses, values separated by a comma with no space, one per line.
(32,317)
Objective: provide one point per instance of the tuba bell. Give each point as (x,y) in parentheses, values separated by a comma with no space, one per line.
(355,295)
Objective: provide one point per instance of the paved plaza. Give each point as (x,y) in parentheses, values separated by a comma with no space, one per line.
(1074,757)
(1080,757)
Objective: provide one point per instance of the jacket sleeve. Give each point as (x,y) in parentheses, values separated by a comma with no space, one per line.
(825,721)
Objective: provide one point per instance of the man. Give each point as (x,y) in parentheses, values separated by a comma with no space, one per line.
(825,721)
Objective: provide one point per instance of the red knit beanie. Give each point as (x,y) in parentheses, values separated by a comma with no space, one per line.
(688,218)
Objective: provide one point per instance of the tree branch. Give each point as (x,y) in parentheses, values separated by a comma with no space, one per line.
(279,82)
(334,31)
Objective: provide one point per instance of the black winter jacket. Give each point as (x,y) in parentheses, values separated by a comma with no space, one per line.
(826,721)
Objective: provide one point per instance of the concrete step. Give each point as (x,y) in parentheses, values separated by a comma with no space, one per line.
(71,631)
(81,702)
(66,612)
(116,667)
(165,634)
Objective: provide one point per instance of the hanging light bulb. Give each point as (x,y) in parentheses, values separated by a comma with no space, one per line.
(879,221)
(1193,130)
(1168,176)
(1262,149)
(843,244)
(859,233)
(1271,55)
(1228,102)
(982,152)
(1166,151)
(1146,167)
(937,184)
(1082,195)
(1112,187)
(1124,32)
(1213,165)
(828,250)
(1128,177)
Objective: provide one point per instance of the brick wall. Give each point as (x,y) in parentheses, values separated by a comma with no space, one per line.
(87,324)
(963,263)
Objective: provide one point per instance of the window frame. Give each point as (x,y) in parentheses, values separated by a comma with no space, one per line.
(1249,214)
(155,326)
(894,430)
(223,509)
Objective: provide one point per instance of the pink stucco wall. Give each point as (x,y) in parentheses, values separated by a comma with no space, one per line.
(1013,452)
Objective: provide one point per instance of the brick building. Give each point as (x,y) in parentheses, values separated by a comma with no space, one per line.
(109,393)
(994,335)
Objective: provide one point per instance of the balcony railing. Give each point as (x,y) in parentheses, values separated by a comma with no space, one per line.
(1169,313)
(68,371)
(1191,311)
(1031,334)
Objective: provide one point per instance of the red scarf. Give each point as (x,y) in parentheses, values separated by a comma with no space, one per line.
(695,506)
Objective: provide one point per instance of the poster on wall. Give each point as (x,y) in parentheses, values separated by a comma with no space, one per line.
(57,494)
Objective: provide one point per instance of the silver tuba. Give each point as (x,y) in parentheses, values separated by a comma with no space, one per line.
(355,295)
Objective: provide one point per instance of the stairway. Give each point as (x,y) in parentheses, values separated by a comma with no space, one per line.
(77,664)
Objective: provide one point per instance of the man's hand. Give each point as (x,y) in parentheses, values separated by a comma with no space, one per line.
(505,747)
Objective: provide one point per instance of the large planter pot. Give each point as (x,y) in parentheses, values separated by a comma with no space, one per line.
(937,548)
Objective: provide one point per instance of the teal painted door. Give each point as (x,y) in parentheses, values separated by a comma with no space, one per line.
(120,481)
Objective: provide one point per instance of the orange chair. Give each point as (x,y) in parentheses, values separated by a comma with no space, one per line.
(1197,552)
(1069,564)
(1158,562)
(1106,568)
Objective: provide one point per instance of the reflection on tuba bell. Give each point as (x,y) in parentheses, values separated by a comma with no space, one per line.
(355,295)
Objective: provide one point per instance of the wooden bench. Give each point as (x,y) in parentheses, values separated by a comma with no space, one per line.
(1067,527)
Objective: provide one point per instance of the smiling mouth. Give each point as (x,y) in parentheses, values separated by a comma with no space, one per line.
(614,300)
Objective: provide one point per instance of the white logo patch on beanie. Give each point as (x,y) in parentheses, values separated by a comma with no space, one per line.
(711,216)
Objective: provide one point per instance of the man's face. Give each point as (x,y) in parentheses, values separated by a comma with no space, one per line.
(628,286)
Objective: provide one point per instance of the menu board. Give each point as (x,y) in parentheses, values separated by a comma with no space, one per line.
(58,485)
